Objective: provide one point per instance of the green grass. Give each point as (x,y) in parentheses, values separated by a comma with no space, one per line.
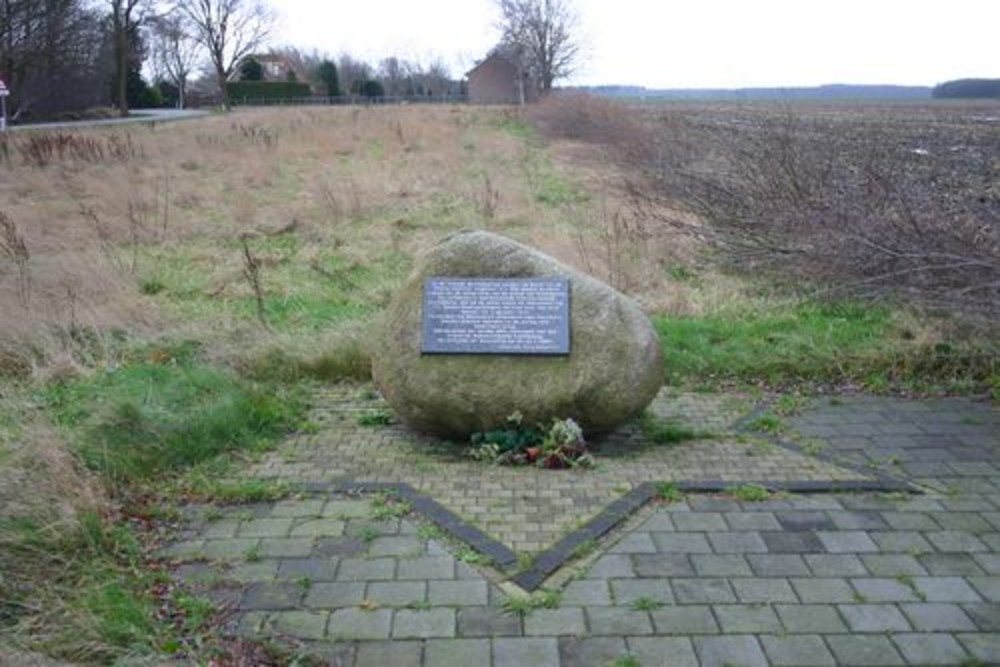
(790,344)
(166,412)
(667,432)
(749,493)
(95,605)
(668,492)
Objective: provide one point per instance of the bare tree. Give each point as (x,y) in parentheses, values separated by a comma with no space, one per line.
(175,52)
(542,31)
(352,72)
(124,19)
(229,30)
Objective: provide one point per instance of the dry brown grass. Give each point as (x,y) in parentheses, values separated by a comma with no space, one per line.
(357,180)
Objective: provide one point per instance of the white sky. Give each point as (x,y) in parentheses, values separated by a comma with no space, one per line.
(685,43)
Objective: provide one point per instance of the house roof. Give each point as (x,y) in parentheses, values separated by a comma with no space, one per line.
(505,52)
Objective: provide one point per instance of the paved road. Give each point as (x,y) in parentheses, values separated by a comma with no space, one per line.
(824,579)
(144,116)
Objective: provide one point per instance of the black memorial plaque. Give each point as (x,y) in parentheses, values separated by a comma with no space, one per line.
(496,316)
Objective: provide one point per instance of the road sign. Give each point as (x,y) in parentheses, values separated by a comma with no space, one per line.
(3,89)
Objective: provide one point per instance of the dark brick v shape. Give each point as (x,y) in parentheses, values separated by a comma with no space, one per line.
(548,561)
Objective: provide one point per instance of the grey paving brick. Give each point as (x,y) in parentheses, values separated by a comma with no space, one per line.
(365,569)
(329,547)
(231,549)
(984,647)
(858,520)
(823,590)
(587,592)
(685,543)
(910,521)
(396,593)
(634,543)
(389,654)
(864,651)
(987,587)
(847,541)
(337,654)
(810,618)
(313,569)
(989,562)
(986,615)
(884,590)
(945,589)
(459,593)
(326,595)
(777,565)
(618,621)
(792,542)
(265,528)
(892,565)
(937,617)
(745,618)
(720,565)
(663,651)
(283,547)
(519,652)
(800,521)
(743,650)
(627,591)
(261,571)
(556,622)
(955,541)
(298,507)
(300,624)
(684,620)
(610,565)
(423,623)
(487,622)
(660,521)
(901,541)
(873,618)
(396,545)
(752,521)
(272,596)
(699,521)
(663,565)
(763,590)
(576,652)
(351,624)
(930,649)
(737,543)
(836,565)
(703,590)
(797,651)
(950,563)
(317,528)
(426,567)
(457,653)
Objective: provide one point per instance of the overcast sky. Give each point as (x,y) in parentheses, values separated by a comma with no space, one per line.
(685,43)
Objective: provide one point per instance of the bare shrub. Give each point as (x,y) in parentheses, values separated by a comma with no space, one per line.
(252,273)
(851,201)
(489,199)
(40,149)
(14,248)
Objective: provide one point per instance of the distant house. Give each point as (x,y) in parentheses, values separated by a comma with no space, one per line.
(501,79)
(276,67)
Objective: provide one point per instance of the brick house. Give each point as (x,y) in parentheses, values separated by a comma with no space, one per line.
(501,79)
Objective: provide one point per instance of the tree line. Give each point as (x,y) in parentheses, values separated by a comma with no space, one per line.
(59,56)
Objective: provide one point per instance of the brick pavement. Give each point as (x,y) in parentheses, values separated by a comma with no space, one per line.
(823,579)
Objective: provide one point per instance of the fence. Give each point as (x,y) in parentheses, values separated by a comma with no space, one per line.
(346,100)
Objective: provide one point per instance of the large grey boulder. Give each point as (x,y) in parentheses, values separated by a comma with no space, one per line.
(613,371)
